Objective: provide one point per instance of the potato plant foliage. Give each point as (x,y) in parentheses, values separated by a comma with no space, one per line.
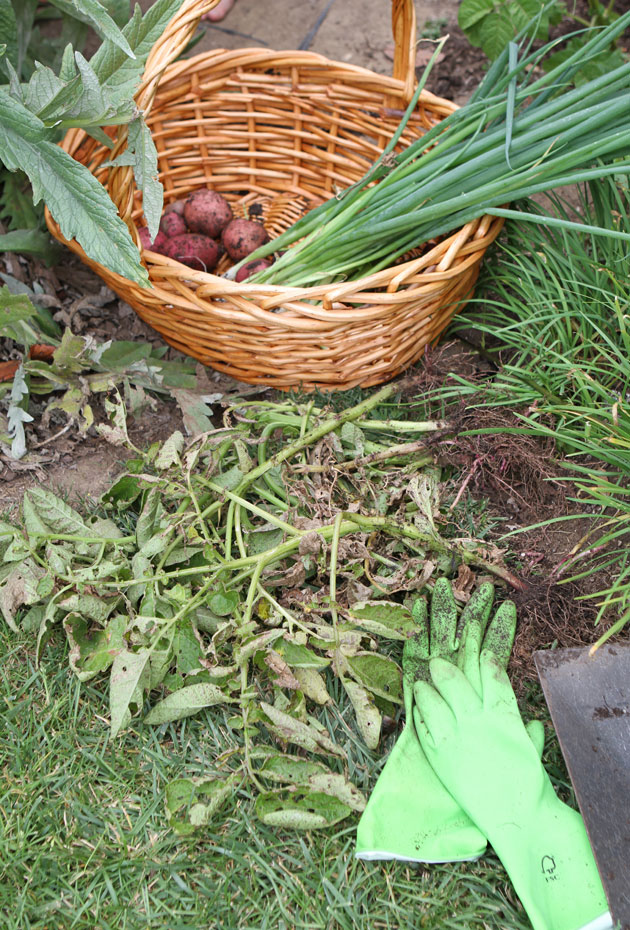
(259,569)
(40,101)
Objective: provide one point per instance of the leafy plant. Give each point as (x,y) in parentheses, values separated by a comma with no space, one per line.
(493,24)
(225,573)
(78,369)
(41,101)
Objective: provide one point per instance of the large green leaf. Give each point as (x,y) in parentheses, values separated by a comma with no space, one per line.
(15,310)
(32,242)
(78,202)
(94,14)
(118,10)
(145,168)
(8,32)
(115,69)
(80,101)
(471,12)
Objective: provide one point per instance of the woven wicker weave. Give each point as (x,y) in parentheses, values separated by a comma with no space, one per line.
(286,130)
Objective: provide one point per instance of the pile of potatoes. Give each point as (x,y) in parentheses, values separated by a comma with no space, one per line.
(197,231)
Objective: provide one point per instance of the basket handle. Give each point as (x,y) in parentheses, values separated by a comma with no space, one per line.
(182,26)
(404,31)
(179,31)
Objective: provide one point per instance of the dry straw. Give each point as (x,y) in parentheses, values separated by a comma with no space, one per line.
(286,130)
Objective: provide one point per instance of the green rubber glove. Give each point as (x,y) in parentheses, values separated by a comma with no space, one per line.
(410,815)
(478,746)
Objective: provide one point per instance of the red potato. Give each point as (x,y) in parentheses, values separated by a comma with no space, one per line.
(172,224)
(241,237)
(207,212)
(159,243)
(199,252)
(177,206)
(251,268)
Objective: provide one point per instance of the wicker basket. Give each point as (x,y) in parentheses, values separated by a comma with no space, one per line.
(286,130)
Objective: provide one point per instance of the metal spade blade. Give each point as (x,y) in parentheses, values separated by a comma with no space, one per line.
(589,701)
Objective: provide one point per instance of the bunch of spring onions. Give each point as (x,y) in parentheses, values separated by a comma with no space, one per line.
(522,132)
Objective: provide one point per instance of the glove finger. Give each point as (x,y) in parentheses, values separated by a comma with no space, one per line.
(431,716)
(415,657)
(536,733)
(499,637)
(496,689)
(458,693)
(443,626)
(472,625)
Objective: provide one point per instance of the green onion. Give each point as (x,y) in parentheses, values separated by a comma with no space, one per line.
(519,134)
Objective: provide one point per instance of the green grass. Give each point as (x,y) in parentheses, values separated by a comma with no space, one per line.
(84,841)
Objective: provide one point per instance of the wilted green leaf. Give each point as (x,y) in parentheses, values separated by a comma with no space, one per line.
(128,680)
(367,714)
(257,643)
(378,674)
(296,771)
(121,355)
(299,656)
(305,735)
(149,517)
(54,513)
(263,540)
(186,702)
(93,650)
(88,605)
(187,648)
(222,602)
(384,618)
(312,685)
(192,802)
(170,451)
(8,532)
(123,492)
(300,810)
(19,588)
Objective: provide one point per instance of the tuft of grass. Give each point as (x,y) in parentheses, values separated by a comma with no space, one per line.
(552,308)
(84,842)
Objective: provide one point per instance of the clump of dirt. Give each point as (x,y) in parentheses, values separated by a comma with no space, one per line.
(500,461)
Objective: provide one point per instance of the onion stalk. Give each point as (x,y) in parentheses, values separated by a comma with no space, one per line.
(521,133)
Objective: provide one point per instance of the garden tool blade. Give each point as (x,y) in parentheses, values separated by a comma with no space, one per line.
(589,700)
